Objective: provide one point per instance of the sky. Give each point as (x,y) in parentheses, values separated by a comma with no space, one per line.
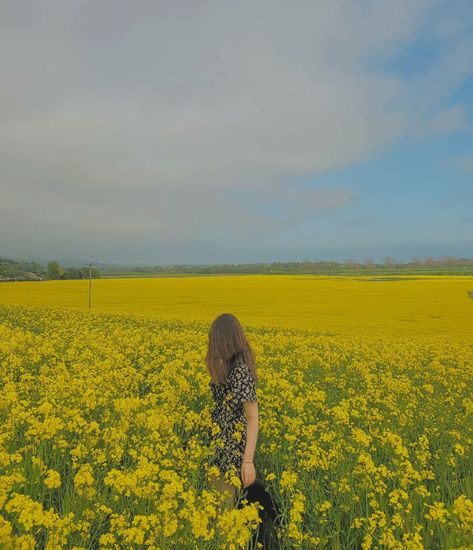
(199,132)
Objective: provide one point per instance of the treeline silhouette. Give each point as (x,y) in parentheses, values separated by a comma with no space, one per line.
(442,265)
(19,270)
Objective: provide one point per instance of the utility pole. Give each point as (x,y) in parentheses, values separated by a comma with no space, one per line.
(90,264)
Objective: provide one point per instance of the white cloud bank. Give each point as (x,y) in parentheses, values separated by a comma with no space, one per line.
(130,124)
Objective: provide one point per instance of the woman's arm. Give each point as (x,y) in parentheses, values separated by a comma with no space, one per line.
(251,411)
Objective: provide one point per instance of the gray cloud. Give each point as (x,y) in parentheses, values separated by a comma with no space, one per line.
(129,124)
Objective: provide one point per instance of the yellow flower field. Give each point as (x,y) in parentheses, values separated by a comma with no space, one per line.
(365,399)
(416,305)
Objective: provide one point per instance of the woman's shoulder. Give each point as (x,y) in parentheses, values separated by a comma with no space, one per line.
(237,359)
(237,362)
(239,368)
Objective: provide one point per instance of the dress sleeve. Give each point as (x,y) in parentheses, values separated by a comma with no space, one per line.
(242,384)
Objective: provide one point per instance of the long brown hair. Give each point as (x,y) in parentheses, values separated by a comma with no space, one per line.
(227,340)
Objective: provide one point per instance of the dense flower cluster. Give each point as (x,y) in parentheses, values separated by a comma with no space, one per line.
(365,441)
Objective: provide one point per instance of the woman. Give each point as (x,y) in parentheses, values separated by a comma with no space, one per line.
(231,365)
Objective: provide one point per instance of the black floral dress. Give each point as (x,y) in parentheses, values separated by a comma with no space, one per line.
(228,437)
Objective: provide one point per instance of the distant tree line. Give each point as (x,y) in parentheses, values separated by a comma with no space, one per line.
(18,270)
(56,271)
(444,264)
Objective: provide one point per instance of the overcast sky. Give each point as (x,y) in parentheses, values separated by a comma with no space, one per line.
(206,132)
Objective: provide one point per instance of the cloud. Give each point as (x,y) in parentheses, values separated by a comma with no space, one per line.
(134,123)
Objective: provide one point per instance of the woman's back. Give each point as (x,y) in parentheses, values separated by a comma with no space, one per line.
(229,415)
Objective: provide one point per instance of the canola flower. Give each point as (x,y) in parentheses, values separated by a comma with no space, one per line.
(416,305)
(365,440)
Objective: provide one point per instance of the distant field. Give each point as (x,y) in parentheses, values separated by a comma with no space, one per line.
(145,274)
(414,305)
(462,271)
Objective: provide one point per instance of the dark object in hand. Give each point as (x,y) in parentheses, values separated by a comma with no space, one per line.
(257,493)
